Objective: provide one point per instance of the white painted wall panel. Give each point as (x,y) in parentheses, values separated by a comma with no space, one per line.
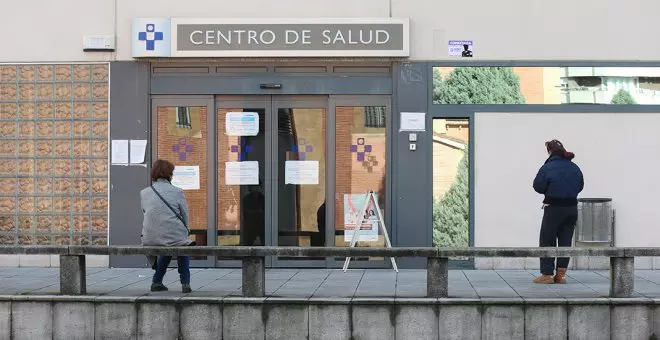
(618,154)
(52,31)
(42,30)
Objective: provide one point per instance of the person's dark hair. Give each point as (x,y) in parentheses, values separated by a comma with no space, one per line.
(162,169)
(556,148)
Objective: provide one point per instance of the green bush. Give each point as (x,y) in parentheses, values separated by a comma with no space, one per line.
(451,215)
(478,85)
(623,97)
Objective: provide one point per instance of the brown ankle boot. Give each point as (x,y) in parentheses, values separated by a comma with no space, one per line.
(544,279)
(560,277)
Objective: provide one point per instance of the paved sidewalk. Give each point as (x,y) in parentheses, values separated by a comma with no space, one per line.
(327,283)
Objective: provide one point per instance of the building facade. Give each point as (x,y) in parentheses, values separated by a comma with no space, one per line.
(282,116)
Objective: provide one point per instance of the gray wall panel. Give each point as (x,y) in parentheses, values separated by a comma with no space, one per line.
(244,85)
(410,172)
(129,114)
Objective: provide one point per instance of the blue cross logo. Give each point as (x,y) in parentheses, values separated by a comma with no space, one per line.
(150,36)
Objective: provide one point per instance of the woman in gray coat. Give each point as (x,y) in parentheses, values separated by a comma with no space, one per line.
(165,223)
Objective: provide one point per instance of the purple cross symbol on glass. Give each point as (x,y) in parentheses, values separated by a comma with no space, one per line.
(302,149)
(242,150)
(361,149)
(183,148)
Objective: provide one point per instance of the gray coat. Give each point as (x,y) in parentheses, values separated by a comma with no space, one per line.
(161,227)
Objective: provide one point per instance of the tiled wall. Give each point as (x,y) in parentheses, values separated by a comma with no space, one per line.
(54,154)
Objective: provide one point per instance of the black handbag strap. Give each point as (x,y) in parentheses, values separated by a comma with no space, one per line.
(169,206)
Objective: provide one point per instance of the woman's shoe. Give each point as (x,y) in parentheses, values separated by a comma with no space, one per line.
(158,287)
(544,279)
(185,288)
(560,277)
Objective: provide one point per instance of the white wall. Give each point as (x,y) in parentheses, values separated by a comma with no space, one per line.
(52,31)
(43,30)
(618,154)
(534,29)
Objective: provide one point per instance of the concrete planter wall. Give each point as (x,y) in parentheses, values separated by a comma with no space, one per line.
(61,317)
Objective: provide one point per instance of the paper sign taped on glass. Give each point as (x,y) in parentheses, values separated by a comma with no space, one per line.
(186,177)
(369,227)
(242,173)
(242,124)
(301,172)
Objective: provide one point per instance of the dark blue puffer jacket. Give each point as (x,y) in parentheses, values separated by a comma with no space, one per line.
(560,180)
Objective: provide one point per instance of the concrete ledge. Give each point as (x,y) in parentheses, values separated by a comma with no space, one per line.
(31,320)
(238,252)
(5,320)
(108,317)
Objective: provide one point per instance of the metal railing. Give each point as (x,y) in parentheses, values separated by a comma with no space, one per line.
(73,269)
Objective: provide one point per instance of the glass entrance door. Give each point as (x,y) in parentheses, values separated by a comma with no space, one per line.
(271,175)
(299,173)
(242,196)
(180,134)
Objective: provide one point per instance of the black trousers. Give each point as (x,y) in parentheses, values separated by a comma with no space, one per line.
(557,228)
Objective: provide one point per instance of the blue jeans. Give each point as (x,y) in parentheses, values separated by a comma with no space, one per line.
(183,263)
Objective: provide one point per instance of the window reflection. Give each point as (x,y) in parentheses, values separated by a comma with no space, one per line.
(241,208)
(184,121)
(184,146)
(301,184)
(546,85)
(361,167)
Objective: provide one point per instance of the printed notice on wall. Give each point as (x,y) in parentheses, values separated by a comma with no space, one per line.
(242,124)
(301,172)
(242,173)
(461,48)
(138,150)
(413,121)
(186,177)
(369,227)
(120,151)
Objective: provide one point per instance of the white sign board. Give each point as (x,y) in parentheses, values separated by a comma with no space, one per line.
(242,124)
(186,177)
(369,228)
(461,48)
(242,173)
(301,172)
(413,121)
(270,37)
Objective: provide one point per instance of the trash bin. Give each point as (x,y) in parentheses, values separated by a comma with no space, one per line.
(594,223)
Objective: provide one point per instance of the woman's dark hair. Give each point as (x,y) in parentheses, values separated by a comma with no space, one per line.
(162,169)
(556,148)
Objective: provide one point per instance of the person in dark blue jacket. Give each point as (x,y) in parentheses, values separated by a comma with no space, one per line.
(560,180)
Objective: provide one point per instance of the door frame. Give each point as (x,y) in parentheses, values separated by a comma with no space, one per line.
(358,100)
(173,101)
(296,102)
(236,102)
(270,103)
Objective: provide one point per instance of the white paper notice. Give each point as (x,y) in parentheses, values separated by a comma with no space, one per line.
(242,124)
(413,121)
(186,177)
(301,172)
(138,150)
(242,173)
(120,151)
